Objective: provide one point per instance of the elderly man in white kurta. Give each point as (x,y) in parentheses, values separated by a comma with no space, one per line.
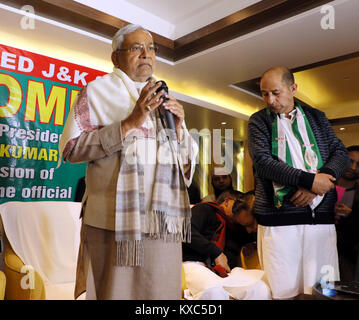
(136,209)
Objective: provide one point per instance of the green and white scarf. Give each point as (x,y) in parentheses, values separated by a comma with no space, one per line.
(309,149)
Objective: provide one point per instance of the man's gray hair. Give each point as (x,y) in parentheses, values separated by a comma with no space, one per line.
(120,34)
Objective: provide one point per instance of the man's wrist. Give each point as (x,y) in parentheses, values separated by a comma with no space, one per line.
(306,180)
(125,127)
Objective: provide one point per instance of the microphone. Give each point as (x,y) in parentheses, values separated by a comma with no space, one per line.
(167,115)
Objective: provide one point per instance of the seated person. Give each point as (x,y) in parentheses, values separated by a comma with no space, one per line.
(242,211)
(221,181)
(207,248)
(241,231)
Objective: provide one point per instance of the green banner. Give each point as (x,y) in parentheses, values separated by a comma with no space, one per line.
(36,93)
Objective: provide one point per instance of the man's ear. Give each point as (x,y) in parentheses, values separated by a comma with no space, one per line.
(293,88)
(114,58)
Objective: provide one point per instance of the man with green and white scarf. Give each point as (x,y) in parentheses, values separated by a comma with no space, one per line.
(297,159)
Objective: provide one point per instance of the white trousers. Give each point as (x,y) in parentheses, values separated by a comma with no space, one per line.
(241,284)
(295,257)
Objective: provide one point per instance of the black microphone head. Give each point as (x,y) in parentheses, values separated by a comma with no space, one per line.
(166,114)
(162,87)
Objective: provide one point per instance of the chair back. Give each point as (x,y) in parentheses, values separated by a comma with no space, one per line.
(43,240)
(2,285)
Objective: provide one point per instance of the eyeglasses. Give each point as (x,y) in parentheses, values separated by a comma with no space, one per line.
(139,48)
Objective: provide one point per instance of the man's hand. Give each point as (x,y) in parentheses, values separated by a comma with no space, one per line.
(341,210)
(222,261)
(322,183)
(147,102)
(302,197)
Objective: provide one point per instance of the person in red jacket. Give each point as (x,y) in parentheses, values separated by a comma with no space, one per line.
(210,264)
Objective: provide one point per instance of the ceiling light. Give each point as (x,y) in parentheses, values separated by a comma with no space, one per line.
(223,123)
(341,129)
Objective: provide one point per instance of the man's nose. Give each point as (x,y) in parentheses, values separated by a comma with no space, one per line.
(144,52)
(270,99)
